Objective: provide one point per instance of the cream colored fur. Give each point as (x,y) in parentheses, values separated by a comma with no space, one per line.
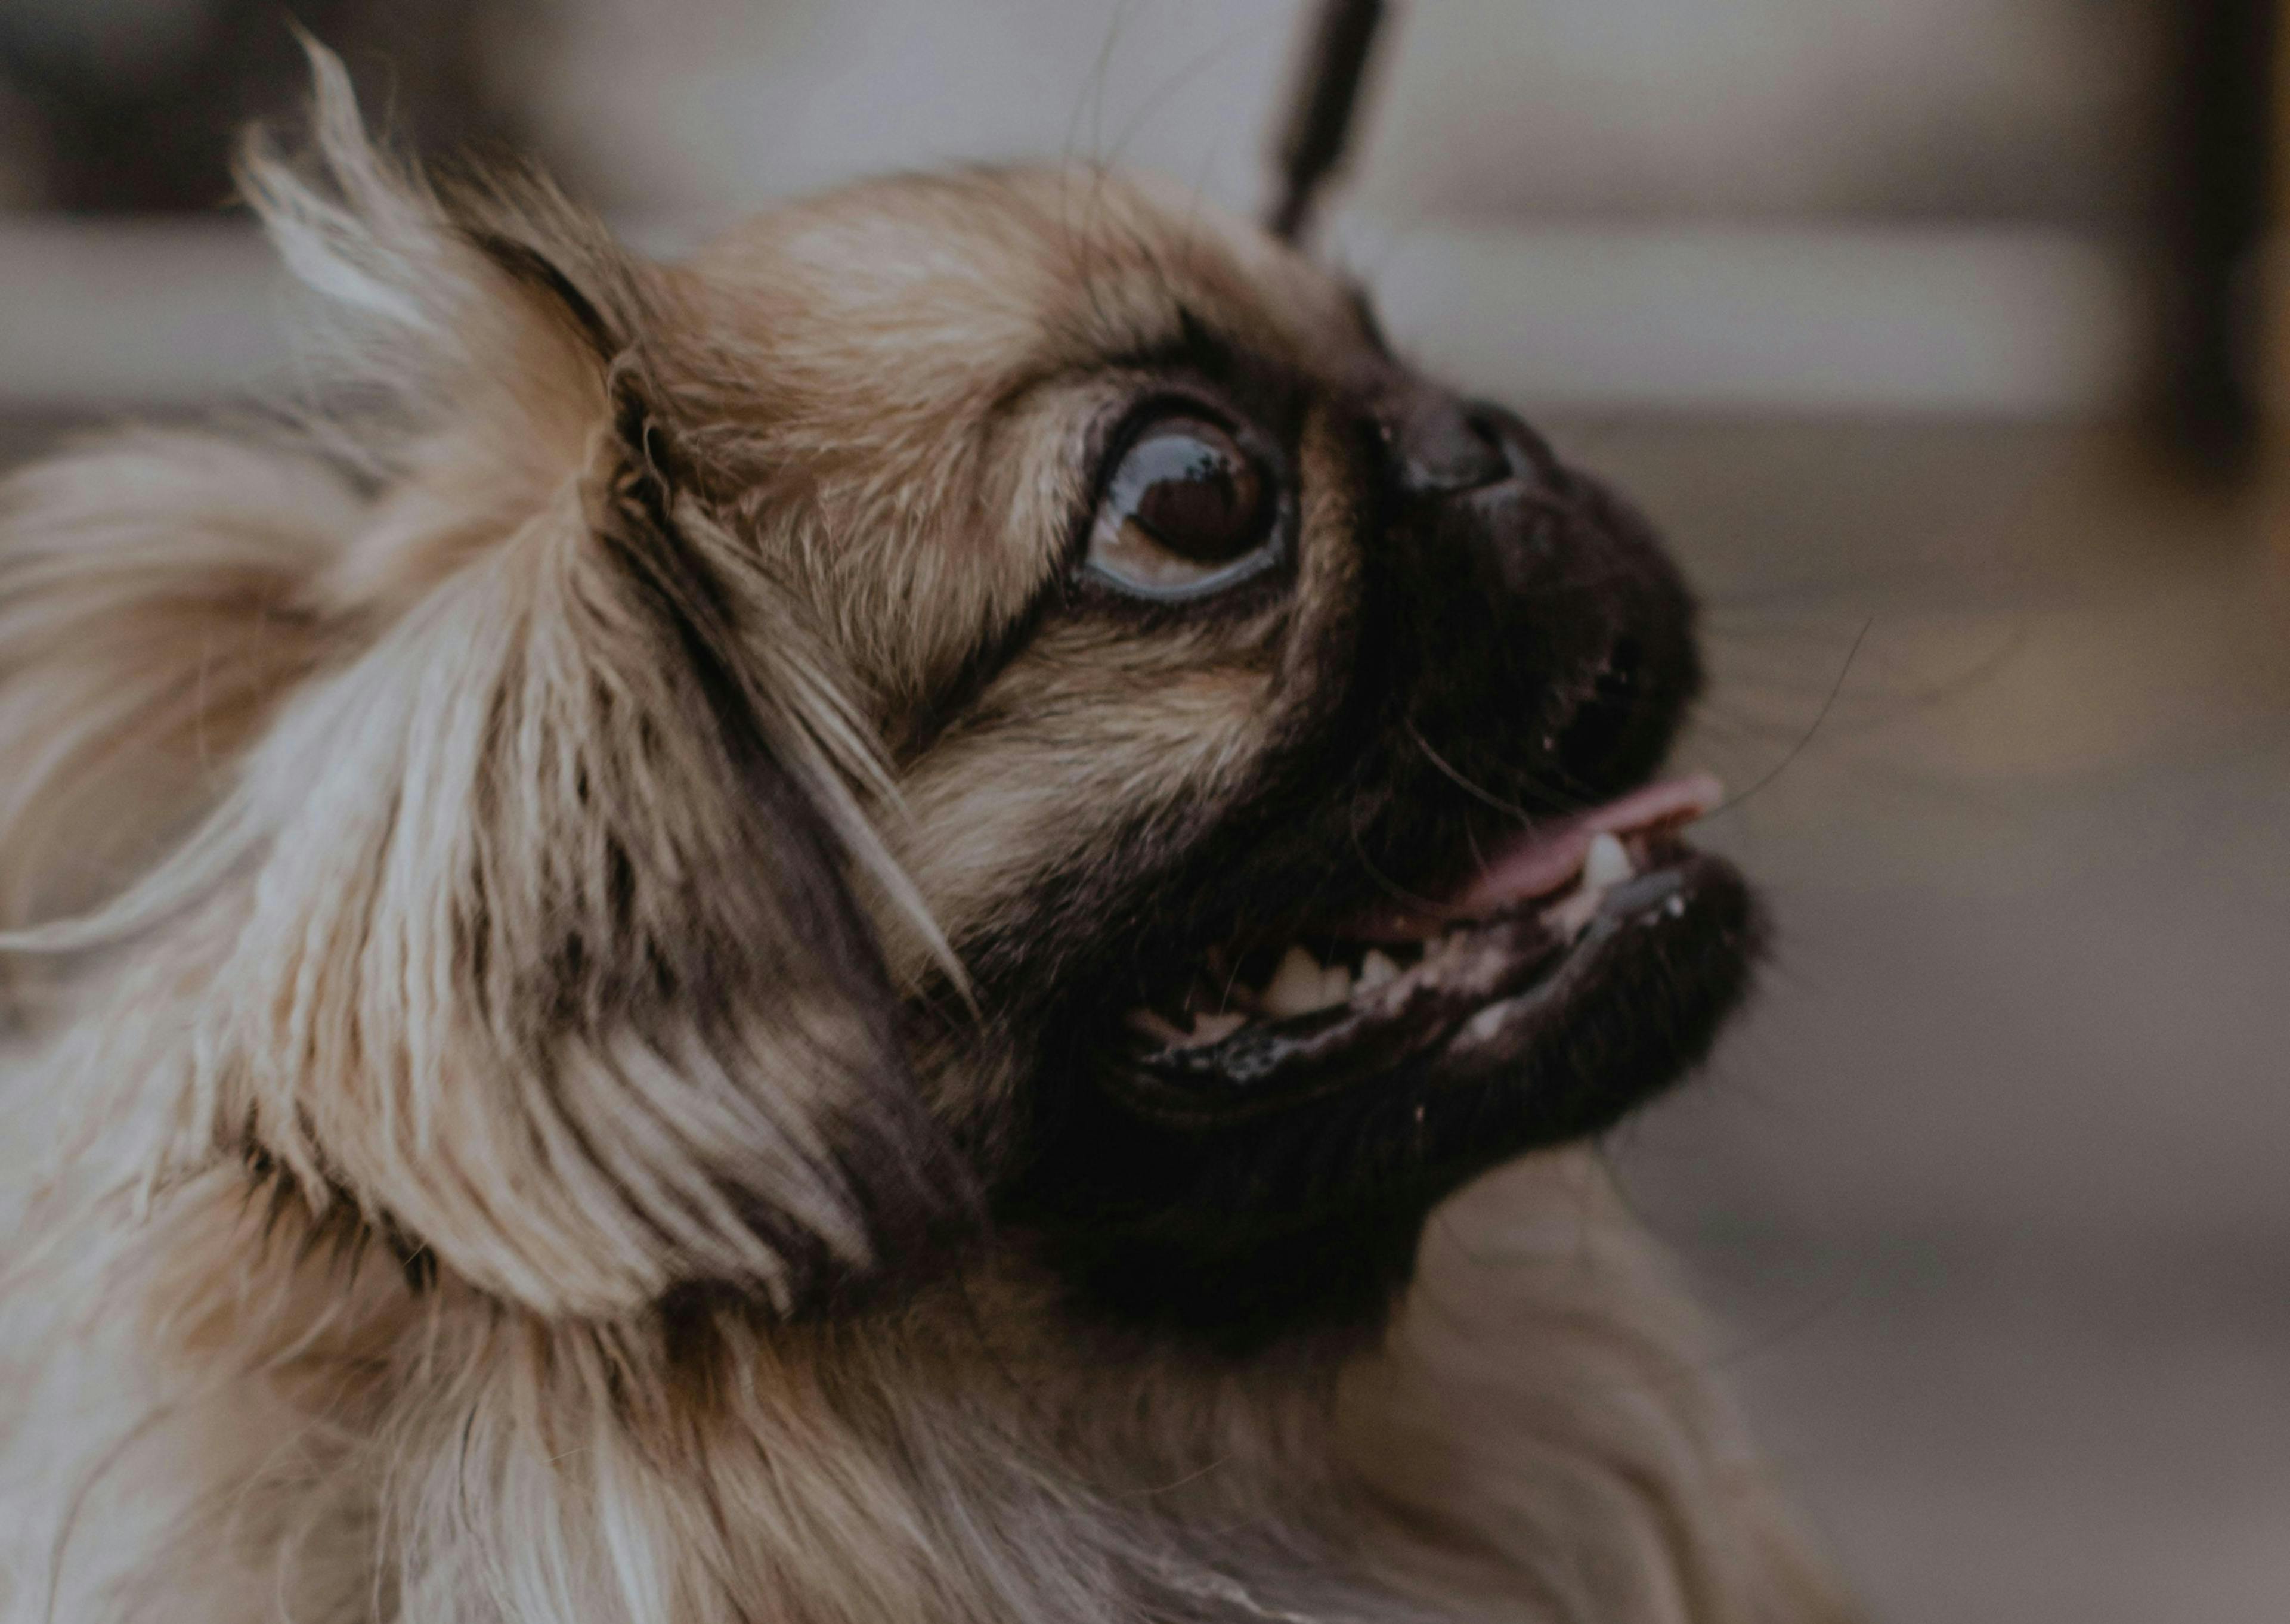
(352,1275)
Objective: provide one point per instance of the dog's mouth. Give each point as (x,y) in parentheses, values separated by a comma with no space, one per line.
(1452,989)
(1260,1144)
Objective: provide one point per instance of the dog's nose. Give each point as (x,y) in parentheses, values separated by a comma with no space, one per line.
(1444,446)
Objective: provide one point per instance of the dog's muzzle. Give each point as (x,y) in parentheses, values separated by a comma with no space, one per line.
(1481,932)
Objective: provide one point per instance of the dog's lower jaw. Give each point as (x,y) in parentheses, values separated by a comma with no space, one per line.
(310,1431)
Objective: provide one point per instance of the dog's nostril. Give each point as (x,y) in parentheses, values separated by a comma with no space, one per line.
(1446,449)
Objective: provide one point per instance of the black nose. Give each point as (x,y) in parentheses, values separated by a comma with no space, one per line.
(1444,446)
(1541,638)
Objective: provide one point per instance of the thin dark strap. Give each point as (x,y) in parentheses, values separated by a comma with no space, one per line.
(1320,117)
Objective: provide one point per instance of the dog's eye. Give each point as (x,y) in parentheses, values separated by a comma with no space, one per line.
(1188,511)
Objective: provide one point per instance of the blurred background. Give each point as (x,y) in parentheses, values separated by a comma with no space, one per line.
(1935,332)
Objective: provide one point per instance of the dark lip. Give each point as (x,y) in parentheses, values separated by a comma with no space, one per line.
(1499,984)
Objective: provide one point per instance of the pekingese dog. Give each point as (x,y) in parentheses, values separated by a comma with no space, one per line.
(802,938)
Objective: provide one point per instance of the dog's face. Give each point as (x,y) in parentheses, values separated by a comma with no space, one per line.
(990,707)
(1249,697)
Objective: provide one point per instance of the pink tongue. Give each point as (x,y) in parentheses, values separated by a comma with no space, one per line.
(1539,861)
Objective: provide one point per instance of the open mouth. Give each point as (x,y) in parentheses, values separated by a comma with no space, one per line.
(1458,987)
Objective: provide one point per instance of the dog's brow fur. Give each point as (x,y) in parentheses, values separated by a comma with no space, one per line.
(481,1148)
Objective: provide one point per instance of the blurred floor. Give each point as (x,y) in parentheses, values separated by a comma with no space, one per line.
(1991,1191)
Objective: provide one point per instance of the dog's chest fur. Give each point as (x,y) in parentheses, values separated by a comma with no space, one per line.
(1532,1441)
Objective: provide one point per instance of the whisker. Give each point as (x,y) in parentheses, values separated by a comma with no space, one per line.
(1827,705)
(1389,886)
(1464,783)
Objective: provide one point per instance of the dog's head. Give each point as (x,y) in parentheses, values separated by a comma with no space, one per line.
(982,704)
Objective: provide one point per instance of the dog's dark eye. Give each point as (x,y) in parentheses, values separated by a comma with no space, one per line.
(1188,511)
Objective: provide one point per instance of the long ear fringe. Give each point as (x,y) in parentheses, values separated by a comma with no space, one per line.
(540,942)
(378,250)
(551,962)
(407,303)
(160,591)
(413,279)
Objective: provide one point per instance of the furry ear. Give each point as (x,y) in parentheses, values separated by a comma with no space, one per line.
(531,927)
(554,962)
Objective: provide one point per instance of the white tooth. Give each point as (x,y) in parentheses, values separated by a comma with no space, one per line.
(1375,970)
(1336,986)
(1216,1028)
(1571,915)
(1607,864)
(1296,986)
(1155,1026)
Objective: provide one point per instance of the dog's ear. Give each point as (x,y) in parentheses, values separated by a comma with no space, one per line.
(554,963)
(538,933)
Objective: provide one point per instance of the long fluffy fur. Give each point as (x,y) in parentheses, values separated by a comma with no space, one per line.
(390,1244)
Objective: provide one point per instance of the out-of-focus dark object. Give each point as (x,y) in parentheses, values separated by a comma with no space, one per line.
(138,102)
(2219,98)
(1321,116)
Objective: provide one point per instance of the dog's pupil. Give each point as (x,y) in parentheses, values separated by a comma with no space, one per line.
(1194,490)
